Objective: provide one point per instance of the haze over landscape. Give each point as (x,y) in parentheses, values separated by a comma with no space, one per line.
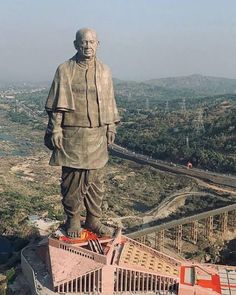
(140,40)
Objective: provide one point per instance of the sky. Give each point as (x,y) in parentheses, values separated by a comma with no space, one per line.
(139,39)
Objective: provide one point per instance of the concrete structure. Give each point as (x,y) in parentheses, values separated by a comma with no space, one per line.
(118,265)
(223,218)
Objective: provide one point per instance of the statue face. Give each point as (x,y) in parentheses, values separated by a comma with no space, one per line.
(87,45)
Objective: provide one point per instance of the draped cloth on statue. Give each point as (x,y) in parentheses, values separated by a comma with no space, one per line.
(62,97)
(84,94)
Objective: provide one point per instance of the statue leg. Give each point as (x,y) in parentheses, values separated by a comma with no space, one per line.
(93,202)
(72,190)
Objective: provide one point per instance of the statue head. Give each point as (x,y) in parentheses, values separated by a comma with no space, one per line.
(86,43)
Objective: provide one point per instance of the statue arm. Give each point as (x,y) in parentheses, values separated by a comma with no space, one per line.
(56,129)
(111,128)
(111,133)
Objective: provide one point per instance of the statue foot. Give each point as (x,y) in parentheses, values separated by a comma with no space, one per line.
(94,225)
(72,226)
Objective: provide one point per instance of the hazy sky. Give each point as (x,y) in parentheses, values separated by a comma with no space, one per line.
(140,39)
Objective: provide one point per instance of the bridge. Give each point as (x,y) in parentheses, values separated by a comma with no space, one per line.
(226,218)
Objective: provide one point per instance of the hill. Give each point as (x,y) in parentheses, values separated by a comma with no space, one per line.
(202,85)
(139,95)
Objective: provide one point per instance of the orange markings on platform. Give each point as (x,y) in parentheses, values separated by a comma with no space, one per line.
(213,283)
(216,283)
(85,235)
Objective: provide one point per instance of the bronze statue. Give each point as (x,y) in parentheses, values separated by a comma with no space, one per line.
(82,123)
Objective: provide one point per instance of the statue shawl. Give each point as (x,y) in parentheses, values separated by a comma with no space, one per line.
(61,97)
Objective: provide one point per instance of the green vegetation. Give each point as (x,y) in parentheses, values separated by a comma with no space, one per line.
(28,109)
(204,135)
(10,274)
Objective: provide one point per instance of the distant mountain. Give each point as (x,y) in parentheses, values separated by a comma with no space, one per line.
(139,91)
(202,85)
(19,85)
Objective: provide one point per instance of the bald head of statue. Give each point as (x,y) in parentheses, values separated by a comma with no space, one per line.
(86,43)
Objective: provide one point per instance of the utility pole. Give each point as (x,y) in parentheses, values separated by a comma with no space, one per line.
(16,108)
(187,142)
(129,96)
(147,103)
(183,106)
(198,122)
(167,107)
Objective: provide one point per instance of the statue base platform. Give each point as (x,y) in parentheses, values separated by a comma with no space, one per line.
(111,266)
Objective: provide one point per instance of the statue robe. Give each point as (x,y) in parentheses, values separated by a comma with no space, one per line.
(86,98)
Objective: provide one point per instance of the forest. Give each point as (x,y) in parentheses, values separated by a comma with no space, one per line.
(201,131)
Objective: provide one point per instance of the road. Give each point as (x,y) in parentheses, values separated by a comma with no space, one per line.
(211,177)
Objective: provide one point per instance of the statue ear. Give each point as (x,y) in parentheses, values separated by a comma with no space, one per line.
(76,45)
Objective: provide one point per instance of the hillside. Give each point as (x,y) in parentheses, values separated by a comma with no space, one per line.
(202,85)
(133,92)
(204,133)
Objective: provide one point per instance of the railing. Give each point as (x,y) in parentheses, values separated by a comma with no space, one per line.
(90,283)
(127,280)
(79,251)
(186,220)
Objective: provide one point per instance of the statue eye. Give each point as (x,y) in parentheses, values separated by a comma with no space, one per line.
(85,42)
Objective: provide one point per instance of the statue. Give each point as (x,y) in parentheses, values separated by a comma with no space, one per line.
(82,123)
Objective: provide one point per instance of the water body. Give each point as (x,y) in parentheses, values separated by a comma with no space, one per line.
(12,142)
(17,146)
(7,137)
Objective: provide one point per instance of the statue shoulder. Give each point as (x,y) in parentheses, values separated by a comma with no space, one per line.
(65,66)
(103,67)
(64,70)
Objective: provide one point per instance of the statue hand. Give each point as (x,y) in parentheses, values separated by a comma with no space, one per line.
(57,139)
(110,137)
